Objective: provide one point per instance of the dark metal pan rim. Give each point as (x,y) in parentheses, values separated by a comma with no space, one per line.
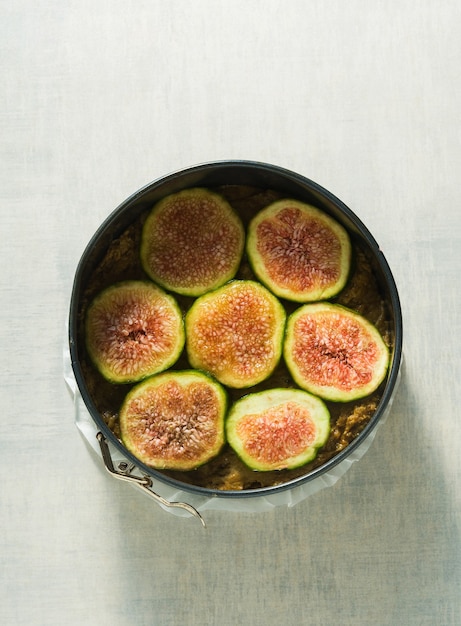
(243,171)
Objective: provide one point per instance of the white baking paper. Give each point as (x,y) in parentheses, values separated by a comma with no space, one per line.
(254,504)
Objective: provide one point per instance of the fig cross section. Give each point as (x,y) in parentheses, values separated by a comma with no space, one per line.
(334,352)
(236,333)
(192,242)
(133,330)
(298,251)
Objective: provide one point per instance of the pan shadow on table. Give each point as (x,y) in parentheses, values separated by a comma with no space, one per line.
(374,548)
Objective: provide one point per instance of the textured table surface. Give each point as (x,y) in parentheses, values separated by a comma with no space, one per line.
(101,97)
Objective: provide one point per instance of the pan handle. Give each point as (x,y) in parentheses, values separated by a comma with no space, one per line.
(124,472)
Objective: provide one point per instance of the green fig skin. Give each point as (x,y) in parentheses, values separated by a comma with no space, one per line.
(299,252)
(174,420)
(192,242)
(334,353)
(278,429)
(133,330)
(235,333)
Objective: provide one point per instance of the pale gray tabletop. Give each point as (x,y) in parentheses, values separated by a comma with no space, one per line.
(98,99)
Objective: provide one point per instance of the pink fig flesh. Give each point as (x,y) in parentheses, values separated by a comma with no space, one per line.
(334,352)
(192,242)
(298,251)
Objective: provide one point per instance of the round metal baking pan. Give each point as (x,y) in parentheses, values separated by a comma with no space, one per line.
(254,174)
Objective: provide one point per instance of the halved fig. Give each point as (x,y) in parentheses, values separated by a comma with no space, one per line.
(278,429)
(192,242)
(236,333)
(174,420)
(334,352)
(133,330)
(298,251)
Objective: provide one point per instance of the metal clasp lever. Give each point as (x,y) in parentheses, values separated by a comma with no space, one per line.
(124,472)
